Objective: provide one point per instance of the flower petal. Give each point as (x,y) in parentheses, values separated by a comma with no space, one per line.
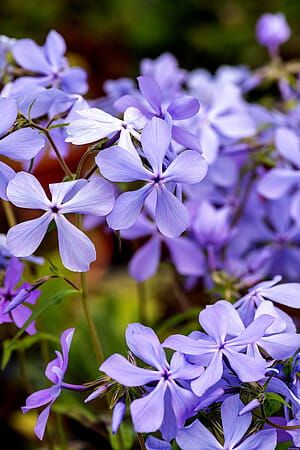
(145,261)
(263,440)
(241,363)
(277,182)
(183,107)
(234,426)
(156,138)
(210,376)
(171,215)
(8,112)
(186,256)
(31,56)
(6,175)
(25,191)
(22,145)
(196,436)
(151,92)
(188,167)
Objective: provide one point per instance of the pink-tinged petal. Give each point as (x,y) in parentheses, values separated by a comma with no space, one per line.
(119,369)
(144,343)
(6,175)
(253,332)
(66,341)
(151,92)
(278,182)
(171,215)
(22,145)
(210,376)
(76,250)
(196,436)
(25,191)
(185,138)
(117,164)
(9,112)
(24,238)
(13,273)
(96,198)
(182,401)
(148,412)
(234,426)
(281,346)
(55,48)
(183,107)
(263,440)
(287,294)
(287,145)
(188,167)
(127,208)
(31,56)
(63,192)
(145,261)
(240,363)
(215,321)
(186,256)
(235,126)
(20,315)
(94,125)
(210,143)
(156,138)
(41,423)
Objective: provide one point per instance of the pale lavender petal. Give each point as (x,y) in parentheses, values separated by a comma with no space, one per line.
(156,138)
(66,341)
(185,138)
(13,274)
(263,440)
(148,412)
(210,143)
(151,91)
(31,56)
(76,250)
(171,215)
(117,164)
(55,48)
(20,315)
(145,261)
(253,332)
(144,343)
(127,208)
(117,416)
(6,175)
(152,443)
(281,346)
(189,346)
(240,363)
(183,107)
(234,426)
(65,191)
(215,321)
(188,167)
(236,126)
(96,197)
(277,182)
(186,256)
(287,294)
(22,145)
(74,81)
(210,376)
(25,191)
(39,398)
(182,403)
(119,369)
(196,436)
(287,144)
(41,423)
(9,112)
(24,238)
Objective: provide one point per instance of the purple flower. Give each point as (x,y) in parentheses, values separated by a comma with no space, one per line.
(118,165)
(168,401)
(6,255)
(152,443)
(80,197)
(209,350)
(272,30)
(184,253)
(49,64)
(55,372)
(235,427)
(9,294)
(151,103)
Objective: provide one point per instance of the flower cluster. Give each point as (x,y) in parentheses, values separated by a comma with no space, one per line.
(198,176)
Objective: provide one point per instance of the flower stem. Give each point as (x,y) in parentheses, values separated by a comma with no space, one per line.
(142,302)
(89,320)
(9,213)
(141,441)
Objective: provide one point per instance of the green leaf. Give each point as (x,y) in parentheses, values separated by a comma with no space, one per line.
(23,344)
(45,301)
(276,397)
(273,403)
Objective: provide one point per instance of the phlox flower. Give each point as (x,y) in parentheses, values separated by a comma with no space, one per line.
(272,30)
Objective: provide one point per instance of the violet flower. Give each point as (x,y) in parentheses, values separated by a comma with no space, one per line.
(168,401)
(272,30)
(118,165)
(211,349)
(9,294)
(80,197)
(235,427)
(55,372)
(49,64)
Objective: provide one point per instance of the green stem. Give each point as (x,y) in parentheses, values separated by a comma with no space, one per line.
(9,213)
(120,439)
(142,302)
(89,320)
(141,441)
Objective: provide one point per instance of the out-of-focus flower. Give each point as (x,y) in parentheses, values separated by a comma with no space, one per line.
(272,30)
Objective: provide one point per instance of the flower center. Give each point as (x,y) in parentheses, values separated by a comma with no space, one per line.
(166,374)
(54,209)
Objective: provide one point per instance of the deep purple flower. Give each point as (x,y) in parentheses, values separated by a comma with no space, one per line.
(9,294)
(80,197)
(272,30)
(118,165)
(235,427)
(151,103)
(168,401)
(184,252)
(218,321)
(55,372)
(49,65)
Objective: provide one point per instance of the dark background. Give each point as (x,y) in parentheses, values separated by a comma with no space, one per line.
(109,37)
